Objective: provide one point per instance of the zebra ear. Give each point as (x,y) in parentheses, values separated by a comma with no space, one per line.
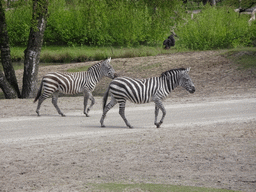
(188,69)
(109,59)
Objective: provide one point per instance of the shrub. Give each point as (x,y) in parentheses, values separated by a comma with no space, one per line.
(99,23)
(214,28)
(18,24)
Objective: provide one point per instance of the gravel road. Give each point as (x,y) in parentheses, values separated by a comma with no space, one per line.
(208,139)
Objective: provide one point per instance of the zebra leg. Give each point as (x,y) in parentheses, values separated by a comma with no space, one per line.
(92,102)
(86,97)
(54,102)
(111,104)
(40,101)
(160,106)
(122,113)
(156,113)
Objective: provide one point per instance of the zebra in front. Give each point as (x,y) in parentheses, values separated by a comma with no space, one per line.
(144,91)
(73,83)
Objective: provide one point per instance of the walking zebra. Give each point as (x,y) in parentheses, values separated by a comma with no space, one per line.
(144,91)
(73,83)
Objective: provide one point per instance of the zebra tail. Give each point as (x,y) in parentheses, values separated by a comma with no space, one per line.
(39,92)
(105,98)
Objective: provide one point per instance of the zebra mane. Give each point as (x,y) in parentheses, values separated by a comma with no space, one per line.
(94,66)
(167,73)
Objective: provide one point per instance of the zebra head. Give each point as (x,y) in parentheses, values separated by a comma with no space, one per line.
(186,82)
(107,69)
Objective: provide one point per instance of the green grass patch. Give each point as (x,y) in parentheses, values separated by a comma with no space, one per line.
(79,69)
(60,54)
(244,57)
(114,187)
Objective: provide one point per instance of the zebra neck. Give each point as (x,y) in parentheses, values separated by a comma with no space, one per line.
(95,73)
(171,83)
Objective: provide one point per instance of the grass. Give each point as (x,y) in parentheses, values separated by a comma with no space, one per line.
(58,54)
(244,57)
(116,187)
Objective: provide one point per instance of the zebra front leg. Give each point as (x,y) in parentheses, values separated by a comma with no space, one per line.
(92,102)
(159,105)
(122,113)
(54,102)
(86,97)
(111,104)
(156,113)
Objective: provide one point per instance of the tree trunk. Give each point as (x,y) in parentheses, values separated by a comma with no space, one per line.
(213,2)
(5,53)
(32,53)
(9,92)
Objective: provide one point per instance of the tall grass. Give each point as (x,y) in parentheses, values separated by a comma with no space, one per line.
(215,28)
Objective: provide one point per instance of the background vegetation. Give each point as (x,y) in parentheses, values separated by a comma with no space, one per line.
(216,28)
(132,23)
(98,23)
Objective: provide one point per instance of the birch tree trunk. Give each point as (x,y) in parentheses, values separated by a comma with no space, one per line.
(6,57)
(32,52)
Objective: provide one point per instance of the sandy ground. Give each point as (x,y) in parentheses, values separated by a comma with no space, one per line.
(218,155)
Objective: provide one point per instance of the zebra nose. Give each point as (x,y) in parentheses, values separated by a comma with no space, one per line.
(192,90)
(115,75)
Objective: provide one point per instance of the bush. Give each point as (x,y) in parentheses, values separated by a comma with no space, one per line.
(99,23)
(18,25)
(215,28)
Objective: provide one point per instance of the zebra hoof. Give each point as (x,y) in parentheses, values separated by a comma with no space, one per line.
(86,114)
(62,115)
(38,113)
(103,126)
(158,124)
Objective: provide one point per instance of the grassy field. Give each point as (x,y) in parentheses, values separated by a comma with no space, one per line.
(56,54)
(244,56)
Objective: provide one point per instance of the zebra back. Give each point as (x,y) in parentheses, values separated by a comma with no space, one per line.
(143,90)
(76,82)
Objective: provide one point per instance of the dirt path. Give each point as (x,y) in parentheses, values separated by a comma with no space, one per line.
(218,155)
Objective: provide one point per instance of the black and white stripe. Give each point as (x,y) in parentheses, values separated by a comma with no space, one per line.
(145,90)
(73,83)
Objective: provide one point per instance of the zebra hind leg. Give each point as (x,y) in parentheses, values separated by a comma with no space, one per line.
(122,113)
(159,105)
(111,104)
(54,102)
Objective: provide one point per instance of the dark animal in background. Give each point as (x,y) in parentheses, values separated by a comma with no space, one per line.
(170,41)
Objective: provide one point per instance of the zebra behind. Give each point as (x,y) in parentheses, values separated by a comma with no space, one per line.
(73,83)
(145,90)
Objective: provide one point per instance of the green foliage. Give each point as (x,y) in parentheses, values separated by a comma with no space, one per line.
(244,4)
(18,24)
(215,28)
(101,22)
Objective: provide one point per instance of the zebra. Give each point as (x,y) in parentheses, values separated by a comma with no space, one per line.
(144,91)
(73,83)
